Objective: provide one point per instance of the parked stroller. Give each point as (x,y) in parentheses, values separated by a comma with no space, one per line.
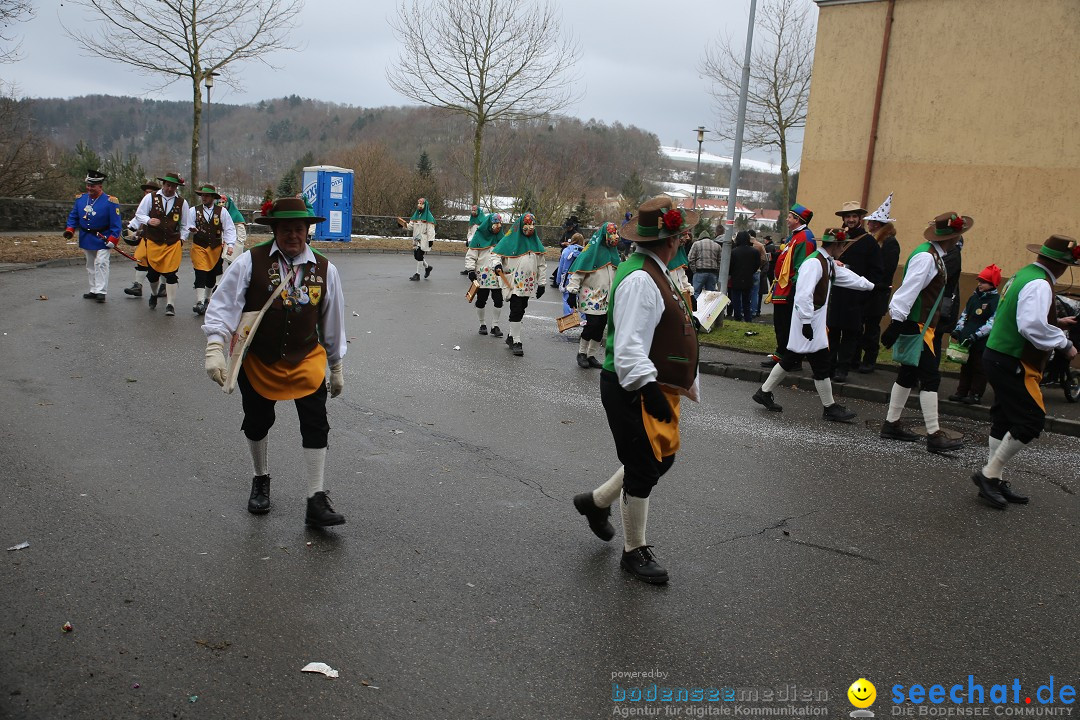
(1058,370)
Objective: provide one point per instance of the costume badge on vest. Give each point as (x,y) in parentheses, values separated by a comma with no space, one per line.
(315,293)
(176,217)
(216,220)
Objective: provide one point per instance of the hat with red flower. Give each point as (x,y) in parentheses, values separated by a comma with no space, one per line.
(834,235)
(947,226)
(1060,248)
(657,219)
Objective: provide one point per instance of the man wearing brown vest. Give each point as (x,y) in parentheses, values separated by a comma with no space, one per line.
(301,333)
(162,216)
(652,357)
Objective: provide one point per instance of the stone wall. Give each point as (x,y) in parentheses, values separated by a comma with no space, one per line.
(26,214)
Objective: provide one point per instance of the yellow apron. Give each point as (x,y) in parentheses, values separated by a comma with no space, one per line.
(663,436)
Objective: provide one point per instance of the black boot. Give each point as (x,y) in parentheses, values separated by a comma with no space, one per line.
(1009,494)
(483,329)
(939,442)
(766,398)
(89,296)
(259,502)
(415,276)
(896,431)
(153,301)
(517,349)
(169,311)
(989,491)
(495,331)
(594,363)
(319,512)
(135,290)
(641,563)
(582,360)
(427,270)
(161,289)
(838,413)
(509,340)
(599,518)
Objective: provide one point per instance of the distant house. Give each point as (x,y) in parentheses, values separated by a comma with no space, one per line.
(713,208)
(765,219)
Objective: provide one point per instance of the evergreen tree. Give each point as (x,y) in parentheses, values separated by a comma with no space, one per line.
(288,185)
(633,190)
(424,166)
(584,212)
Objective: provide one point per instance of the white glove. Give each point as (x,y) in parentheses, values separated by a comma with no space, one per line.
(337,379)
(233,252)
(215,362)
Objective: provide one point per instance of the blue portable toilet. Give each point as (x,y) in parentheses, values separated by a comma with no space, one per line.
(329,189)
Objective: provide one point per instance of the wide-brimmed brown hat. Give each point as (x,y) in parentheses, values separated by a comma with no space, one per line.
(151,186)
(208,189)
(947,226)
(289,208)
(174,177)
(657,219)
(851,207)
(1059,248)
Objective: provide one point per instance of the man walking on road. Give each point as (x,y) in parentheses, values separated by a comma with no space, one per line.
(652,357)
(302,332)
(97,216)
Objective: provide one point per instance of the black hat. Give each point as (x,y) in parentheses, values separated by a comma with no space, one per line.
(95,177)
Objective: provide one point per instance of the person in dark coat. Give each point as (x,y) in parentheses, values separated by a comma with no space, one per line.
(950,303)
(745,261)
(881,227)
(862,256)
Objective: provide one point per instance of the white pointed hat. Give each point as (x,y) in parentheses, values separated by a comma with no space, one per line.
(882,213)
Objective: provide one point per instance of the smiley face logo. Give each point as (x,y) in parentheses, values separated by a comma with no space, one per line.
(862,693)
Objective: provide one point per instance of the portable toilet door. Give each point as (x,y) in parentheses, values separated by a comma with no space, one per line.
(329,189)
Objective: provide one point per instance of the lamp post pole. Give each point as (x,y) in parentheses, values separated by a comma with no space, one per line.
(208,80)
(700,130)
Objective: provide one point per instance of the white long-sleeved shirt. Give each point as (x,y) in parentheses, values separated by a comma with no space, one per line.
(142,213)
(1032,307)
(920,271)
(805,314)
(638,309)
(228,228)
(227,303)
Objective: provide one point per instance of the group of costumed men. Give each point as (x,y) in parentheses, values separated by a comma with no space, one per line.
(1024,333)
(162,221)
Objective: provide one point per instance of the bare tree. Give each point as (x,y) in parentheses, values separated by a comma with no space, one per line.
(28,163)
(192,39)
(780,65)
(11,12)
(486,59)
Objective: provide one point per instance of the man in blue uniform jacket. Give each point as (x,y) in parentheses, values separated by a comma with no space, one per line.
(97,216)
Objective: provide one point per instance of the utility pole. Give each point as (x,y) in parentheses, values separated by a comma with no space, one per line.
(697,173)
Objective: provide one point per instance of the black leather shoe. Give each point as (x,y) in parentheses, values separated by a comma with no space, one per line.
(89,296)
(169,311)
(153,301)
(938,442)
(517,349)
(259,502)
(495,331)
(766,398)
(896,431)
(838,413)
(415,276)
(135,290)
(161,290)
(483,329)
(770,361)
(582,360)
(599,518)
(840,377)
(973,399)
(428,269)
(957,397)
(641,563)
(319,512)
(509,340)
(100,297)
(866,368)
(1009,494)
(988,490)
(594,363)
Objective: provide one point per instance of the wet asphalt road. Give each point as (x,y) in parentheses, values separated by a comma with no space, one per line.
(464,584)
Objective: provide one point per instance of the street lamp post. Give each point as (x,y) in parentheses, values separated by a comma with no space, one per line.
(208,80)
(697,173)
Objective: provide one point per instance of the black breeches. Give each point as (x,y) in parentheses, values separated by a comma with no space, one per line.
(152,276)
(594,327)
(207,278)
(518,303)
(926,373)
(623,408)
(418,254)
(781,325)
(1017,407)
(482,297)
(259,414)
(820,366)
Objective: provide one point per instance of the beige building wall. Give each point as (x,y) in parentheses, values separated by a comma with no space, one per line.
(980,114)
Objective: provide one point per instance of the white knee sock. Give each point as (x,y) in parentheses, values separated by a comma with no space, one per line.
(824,391)
(419,267)
(480,313)
(928,403)
(776,376)
(1006,450)
(258,456)
(314,464)
(594,349)
(515,330)
(200,295)
(606,494)
(170,294)
(635,515)
(139,275)
(583,346)
(497,315)
(897,400)
(994,443)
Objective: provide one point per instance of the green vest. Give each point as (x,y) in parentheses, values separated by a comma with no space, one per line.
(1005,336)
(920,309)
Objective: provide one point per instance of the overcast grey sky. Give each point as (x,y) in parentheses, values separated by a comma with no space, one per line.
(343,49)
